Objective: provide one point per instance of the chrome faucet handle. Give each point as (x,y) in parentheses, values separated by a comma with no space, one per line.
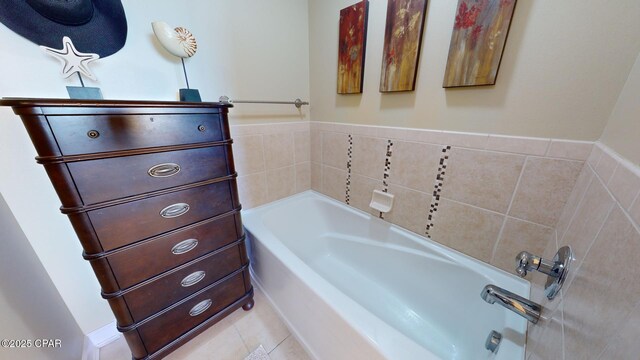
(522,263)
(556,269)
(526,261)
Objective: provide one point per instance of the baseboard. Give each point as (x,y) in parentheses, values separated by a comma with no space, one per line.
(99,338)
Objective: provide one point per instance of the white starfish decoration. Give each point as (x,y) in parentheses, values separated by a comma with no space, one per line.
(72,60)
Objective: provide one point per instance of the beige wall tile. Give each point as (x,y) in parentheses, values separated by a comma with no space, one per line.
(402,135)
(429,136)
(518,145)
(584,179)
(545,339)
(280,183)
(321,125)
(544,189)
(334,182)
(368,156)
(586,223)
(248,154)
(253,190)
(303,177)
(300,126)
(605,289)
(467,229)
(316,146)
(482,178)
(519,236)
(625,344)
(316,176)
(246,130)
(361,130)
(278,150)
(338,127)
(286,127)
(606,166)
(361,192)
(410,209)
(594,157)
(415,165)
(538,280)
(467,140)
(567,149)
(302,146)
(624,185)
(243,130)
(393,133)
(334,150)
(269,128)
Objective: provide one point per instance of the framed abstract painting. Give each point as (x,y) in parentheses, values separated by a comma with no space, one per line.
(351,48)
(402,41)
(477,42)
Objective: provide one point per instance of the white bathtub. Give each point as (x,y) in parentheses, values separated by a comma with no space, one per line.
(352,286)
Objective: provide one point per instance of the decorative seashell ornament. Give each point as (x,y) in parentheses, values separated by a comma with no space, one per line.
(179,41)
(187,40)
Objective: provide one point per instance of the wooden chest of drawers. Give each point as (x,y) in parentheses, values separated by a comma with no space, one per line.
(150,189)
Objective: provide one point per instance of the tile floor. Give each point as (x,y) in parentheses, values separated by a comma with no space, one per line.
(241,335)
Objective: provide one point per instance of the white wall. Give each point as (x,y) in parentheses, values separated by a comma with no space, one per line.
(247,49)
(564,65)
(623,129)
(31,306)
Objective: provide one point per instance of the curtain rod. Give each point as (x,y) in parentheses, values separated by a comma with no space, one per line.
(297,102)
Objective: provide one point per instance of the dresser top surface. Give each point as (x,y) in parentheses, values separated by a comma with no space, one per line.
(78,106)
(37,102)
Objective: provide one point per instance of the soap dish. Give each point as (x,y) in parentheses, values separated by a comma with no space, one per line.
(381,201)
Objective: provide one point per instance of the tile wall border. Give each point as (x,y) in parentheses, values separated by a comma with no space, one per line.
(531,146)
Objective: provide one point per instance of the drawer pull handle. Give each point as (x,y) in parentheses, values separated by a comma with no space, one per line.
(164,170)
(200,307)
(184,247)
(174,210)
(192,279)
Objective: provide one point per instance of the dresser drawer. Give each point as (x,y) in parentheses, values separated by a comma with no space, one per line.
(100,133)
(123,224)
(113,178)
(172,250)
(163,329)
(178,284)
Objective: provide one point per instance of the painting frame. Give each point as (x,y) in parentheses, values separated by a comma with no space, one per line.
(404,29)
(461,69)
(352,46)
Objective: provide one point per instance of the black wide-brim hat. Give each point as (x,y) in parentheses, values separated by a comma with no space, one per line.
(94,26)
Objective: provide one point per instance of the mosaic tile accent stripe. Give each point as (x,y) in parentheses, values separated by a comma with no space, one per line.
(347,196)
(437,189)
(387,170)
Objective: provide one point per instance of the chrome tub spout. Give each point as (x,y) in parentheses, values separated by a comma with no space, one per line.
(519,305)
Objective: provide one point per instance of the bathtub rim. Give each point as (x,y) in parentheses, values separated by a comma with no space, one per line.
(411,234)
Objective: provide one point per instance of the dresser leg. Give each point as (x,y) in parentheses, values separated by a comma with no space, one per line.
(248,306)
